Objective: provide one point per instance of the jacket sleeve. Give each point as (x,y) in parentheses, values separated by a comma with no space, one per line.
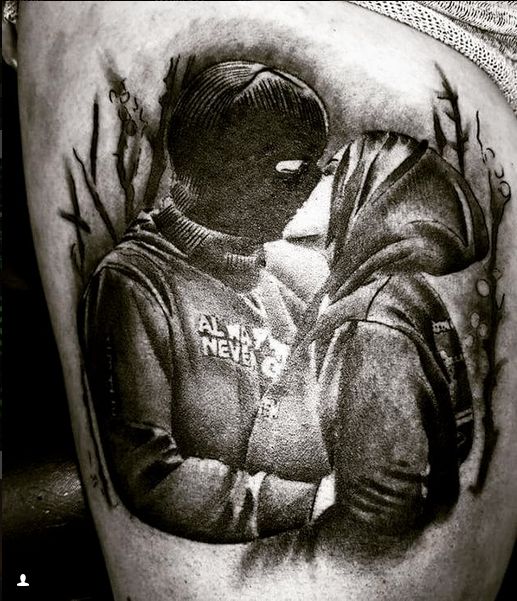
(382,454)
(129,361)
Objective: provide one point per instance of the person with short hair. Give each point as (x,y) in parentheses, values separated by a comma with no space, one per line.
(183,329)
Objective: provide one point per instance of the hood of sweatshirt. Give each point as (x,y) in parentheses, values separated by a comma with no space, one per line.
(399,207)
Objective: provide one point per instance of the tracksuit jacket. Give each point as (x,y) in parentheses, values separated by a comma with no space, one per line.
(182,332)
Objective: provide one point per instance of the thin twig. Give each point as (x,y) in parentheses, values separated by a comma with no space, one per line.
(461,135)
(159,140)
(478,132)
(497,205)
(94,142)
(99,205)
(132,169)
(79,224)
(127,172)
(128,189)
(129,145)
(441,140)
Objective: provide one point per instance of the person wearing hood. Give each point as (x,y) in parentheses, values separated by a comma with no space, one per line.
(377,391)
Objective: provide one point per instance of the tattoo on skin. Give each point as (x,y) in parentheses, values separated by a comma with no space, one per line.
(225,406)
(488,288)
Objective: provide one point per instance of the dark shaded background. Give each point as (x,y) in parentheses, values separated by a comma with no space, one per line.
(48,533)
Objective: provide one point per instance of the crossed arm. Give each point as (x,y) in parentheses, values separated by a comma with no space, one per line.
(375,74)
(130,364)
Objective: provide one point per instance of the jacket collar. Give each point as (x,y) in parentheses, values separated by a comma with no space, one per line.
(224,255)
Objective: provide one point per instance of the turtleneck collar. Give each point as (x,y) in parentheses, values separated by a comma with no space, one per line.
(228,257)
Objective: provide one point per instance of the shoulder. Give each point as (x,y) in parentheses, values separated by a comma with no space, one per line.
(385,316)
(405,301)
(138,274)
(372,339)
(142,259)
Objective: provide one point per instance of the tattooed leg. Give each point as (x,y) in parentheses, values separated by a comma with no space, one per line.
(275,241)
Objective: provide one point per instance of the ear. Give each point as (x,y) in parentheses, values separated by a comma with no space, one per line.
(9,33)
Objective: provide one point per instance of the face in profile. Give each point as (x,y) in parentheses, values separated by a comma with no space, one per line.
(309,226)
(246,138)
(269,172)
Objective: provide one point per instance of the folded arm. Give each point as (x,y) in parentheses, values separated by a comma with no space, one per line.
(130,364)
(388,462)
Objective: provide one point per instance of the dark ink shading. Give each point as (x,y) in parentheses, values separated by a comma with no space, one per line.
(440,137)
(231,169)
(500,196)
(132,128)
(132,122)
(114,79)
(129,146)
(209,129)
(101,474)
(94,142)
(331,535)
(175,80)
(383,263)
(398,211)
(158,140)
(97,202)
(77,249)
(449,94)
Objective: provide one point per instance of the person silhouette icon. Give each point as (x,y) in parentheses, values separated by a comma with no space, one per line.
(23,582)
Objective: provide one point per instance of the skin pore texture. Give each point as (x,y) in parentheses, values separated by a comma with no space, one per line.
(372,74)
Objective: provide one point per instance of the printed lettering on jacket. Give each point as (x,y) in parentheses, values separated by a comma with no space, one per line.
(243,344)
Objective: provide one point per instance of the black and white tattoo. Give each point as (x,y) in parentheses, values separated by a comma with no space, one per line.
(228,406)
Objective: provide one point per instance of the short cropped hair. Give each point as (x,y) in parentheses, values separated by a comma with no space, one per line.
(225,92)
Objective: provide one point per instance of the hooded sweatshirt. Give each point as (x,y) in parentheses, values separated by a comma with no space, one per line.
(378,381)
(182,331)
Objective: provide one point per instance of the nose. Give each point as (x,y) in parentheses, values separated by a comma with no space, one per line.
(310,223)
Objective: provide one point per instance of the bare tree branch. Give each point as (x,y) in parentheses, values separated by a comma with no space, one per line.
(78,249)
(158,143)
(129,148)
(94,142)
(174,83)
(450,95)
(99,205)
(497,205)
